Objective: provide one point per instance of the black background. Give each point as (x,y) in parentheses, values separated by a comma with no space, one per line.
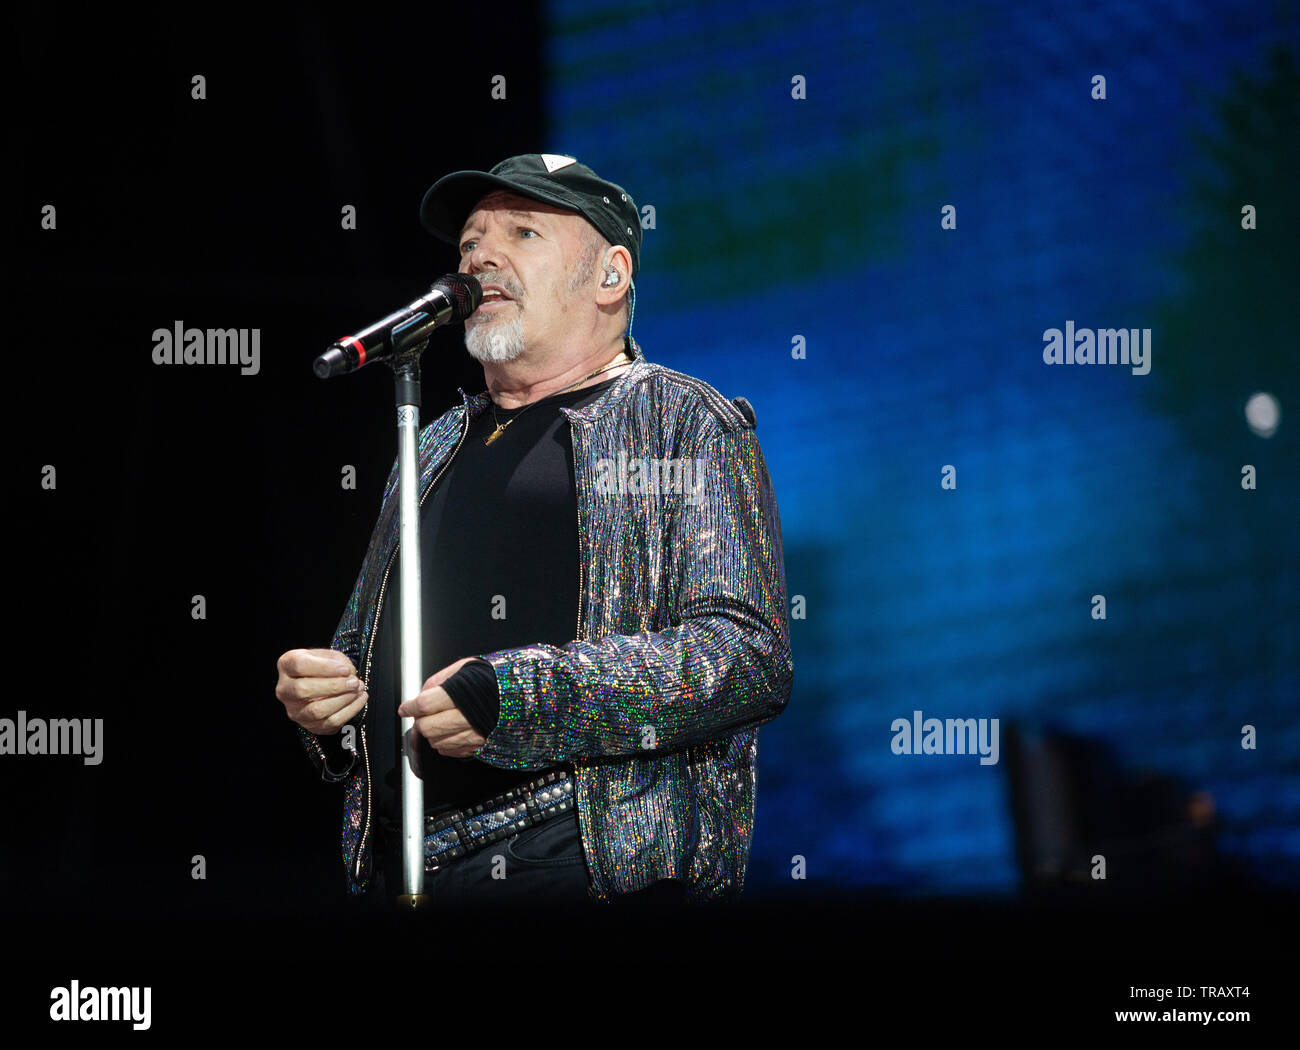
(182,480)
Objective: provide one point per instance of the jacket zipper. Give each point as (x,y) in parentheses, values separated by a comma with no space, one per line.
(581,553)
(578,632)
(582,556)
(370,646)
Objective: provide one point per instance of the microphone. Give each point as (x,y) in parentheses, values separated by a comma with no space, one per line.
(452,298)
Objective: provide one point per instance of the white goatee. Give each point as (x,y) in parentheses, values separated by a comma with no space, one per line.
(496,341)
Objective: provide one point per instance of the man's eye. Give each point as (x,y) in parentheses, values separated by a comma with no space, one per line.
(469,246)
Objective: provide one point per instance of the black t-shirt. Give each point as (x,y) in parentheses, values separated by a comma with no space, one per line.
(499,570)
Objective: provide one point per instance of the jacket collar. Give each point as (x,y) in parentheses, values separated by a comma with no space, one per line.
(474,404)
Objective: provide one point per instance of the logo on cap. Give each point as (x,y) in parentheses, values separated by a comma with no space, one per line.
(555,161)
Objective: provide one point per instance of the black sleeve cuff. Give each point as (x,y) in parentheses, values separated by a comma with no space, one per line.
(473,689)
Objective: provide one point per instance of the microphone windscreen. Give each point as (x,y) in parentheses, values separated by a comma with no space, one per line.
(464,291)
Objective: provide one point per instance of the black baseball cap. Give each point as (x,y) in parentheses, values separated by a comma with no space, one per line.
(550,177)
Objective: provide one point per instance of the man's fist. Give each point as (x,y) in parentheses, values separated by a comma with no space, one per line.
(439,720)
(320,689)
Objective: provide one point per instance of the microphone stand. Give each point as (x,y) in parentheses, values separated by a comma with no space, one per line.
(452,298)
(406,368)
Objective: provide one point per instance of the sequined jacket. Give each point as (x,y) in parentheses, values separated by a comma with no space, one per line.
(681,647)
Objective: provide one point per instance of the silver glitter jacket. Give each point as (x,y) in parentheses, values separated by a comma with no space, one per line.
(681,650)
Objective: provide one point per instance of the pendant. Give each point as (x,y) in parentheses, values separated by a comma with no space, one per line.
(494,435)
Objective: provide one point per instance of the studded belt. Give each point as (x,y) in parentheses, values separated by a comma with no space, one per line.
(451,836)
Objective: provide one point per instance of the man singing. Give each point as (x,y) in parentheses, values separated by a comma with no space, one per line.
(603,589)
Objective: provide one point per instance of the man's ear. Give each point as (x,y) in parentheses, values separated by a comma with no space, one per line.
(614,275)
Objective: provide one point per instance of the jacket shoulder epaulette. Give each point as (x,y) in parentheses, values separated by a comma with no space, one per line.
(732,415)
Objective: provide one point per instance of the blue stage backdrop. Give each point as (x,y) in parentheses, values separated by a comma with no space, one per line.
(797,253)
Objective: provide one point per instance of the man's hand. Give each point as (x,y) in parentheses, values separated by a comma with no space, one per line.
(319,689)
(439,720)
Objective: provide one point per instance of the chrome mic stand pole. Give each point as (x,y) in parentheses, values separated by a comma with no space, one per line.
(407,371)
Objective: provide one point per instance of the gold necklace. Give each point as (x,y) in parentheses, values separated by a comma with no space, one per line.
(502,426)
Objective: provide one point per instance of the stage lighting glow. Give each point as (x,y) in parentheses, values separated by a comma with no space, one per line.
(1263,413)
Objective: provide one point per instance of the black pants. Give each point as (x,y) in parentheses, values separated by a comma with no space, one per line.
(541,866)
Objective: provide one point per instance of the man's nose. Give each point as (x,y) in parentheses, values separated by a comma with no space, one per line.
(484,257)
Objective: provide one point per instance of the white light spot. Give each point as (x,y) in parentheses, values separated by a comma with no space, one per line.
(1263,413)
